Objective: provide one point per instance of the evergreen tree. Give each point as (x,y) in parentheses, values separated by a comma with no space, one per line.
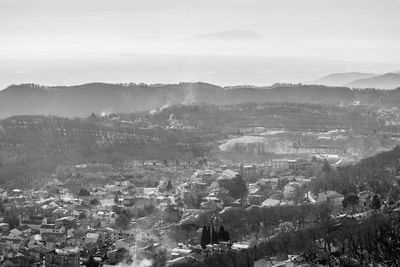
(214,236)
(227,237)
(222,234)
(169,186)
(376,202)
(116,199)
(326,168)
(205,237)
(91,262)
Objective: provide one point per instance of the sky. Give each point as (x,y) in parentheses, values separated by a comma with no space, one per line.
(41,35)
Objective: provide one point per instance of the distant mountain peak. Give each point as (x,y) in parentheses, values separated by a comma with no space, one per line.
(230,34)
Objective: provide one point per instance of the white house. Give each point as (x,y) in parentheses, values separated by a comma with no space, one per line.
(91,238)
(52,228)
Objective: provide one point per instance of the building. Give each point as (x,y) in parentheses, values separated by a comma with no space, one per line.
(281,164)
(92,238)
(34,225)
(331,196)
(228,175)
(120,234)
(52,228)
(3,193)
(126,243)
(4,227)
(105,217)
(13,243)
(290,190)
(270,203)
(62,257)
(249,170)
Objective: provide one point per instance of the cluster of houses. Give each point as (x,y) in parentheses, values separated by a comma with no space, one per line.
(40,228)
(56,227)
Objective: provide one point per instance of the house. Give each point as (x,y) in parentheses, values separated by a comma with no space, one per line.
(147,236)
(62,257)
(365,198)
(3,193)
(256,189)
(150,190)
(290,189)
(42,194)
(60,212)
(41,219)
(269,202)
(32,224)
(292,261)
(228,175)
(17,261)
(198,187)
(36,242)
(52,228)
(331,196)
(206,176)
(126,243)
(253,199)
(71,241)
(105,217)
(78,213)
(12,243)
(4,227)
(211,203)
(271,183)
(92,238)
(24,229)
(249,171)
(120,234)
(278,164)
(34,255)
(15,233)
(53,240)
(71,232)
(68,221)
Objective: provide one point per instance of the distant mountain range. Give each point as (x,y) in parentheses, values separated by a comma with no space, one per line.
(384,81)
(339,79)
(361,80)
(82,100)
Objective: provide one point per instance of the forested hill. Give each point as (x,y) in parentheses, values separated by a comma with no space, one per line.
(378,173)
(82,100)
(31,147)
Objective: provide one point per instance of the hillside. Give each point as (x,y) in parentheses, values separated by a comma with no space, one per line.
(82,100)
(385,81)
(31,147)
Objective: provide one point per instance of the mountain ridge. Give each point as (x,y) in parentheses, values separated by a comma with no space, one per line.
(82,100)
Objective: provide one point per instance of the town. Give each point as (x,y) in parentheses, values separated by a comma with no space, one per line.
(96,215)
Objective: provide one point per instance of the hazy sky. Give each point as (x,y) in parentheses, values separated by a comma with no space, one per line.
(357,30)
